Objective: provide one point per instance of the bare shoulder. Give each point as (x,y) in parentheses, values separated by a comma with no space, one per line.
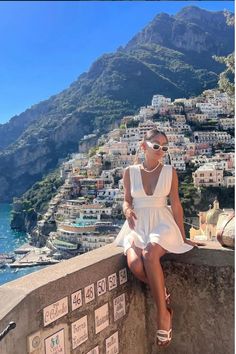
(126,174)
(128,168)
(174,179)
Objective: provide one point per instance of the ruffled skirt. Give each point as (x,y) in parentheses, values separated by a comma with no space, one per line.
(153,225)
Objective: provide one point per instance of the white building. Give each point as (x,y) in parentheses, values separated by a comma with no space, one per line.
(181,126)
(119,198)
(132,138)
(144,127)
(95,240)
(177,161)
(160,100)
(67,211)
(115,147)
(107,178)
(106,195)
(212,110)
(131,132)
(199,160)
(212,137)
(94,211)
(188,103)
(226,123)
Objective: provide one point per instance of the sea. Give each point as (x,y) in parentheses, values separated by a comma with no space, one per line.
(9,241)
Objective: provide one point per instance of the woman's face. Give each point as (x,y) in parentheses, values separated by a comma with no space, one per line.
(152,153)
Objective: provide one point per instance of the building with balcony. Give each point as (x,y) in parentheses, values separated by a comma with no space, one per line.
(160,101)
(178,162)
(144,127)
(175,138)
(212,110)
(187,102)
(115,147)
(106,195)
(208,176)
(67,211)
(226,123)
(94,211)
(203,149)
(212,137)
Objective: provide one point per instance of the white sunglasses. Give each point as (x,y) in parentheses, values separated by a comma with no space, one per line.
(156,146)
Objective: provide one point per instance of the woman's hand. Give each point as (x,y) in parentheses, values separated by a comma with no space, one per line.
(189,242)
(130,216)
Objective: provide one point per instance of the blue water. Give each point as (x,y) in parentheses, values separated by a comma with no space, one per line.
(9,241)
(87,222)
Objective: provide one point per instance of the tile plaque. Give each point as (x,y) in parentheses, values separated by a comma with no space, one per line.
(101,318)
(54,311)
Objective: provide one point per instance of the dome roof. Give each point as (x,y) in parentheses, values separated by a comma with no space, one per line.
(213,214)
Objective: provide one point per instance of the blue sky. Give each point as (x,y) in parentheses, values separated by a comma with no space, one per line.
(45,46)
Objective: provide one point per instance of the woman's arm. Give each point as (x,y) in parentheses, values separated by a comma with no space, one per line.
(176,204)
(128,200)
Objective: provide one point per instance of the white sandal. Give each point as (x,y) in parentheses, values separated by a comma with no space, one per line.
(164,335)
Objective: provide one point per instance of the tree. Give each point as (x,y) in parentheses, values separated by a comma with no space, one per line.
(225,83)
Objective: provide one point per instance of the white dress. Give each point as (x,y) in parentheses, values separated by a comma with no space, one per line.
(155,221)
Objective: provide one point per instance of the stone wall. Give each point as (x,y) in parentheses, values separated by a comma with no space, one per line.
(65,308)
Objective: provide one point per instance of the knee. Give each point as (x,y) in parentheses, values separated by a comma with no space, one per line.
(152,253)
(136,266)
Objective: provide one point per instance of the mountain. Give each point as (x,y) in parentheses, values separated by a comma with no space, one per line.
(172,56)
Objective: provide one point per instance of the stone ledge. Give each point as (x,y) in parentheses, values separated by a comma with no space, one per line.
(201,286)
(213,254)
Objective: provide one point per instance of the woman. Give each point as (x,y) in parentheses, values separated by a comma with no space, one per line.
(151,228)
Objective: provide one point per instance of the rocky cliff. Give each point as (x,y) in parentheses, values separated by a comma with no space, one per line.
(171,56)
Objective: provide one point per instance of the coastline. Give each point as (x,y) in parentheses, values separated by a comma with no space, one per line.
(11,240)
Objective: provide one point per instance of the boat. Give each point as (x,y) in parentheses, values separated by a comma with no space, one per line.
(7,257)
(2,263)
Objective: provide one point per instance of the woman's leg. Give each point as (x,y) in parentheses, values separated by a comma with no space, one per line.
(151,259)
(135,263)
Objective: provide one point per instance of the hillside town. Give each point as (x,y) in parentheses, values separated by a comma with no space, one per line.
(86,213)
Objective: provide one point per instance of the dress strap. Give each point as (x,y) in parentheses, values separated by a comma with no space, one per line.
(169,178)
(133,173)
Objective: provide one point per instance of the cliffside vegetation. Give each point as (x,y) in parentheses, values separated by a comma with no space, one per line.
(28,208)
